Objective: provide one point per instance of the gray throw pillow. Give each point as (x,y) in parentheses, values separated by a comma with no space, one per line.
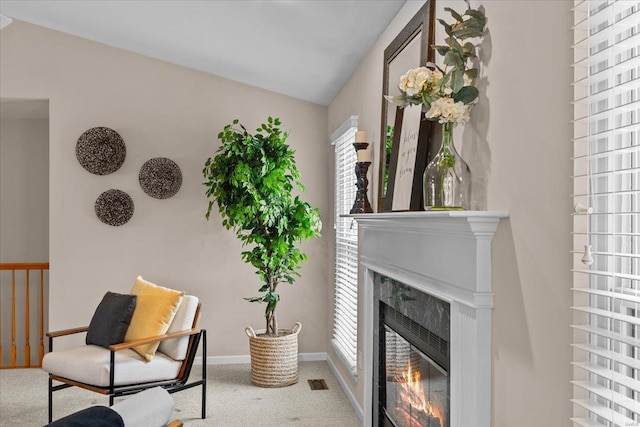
(111,319)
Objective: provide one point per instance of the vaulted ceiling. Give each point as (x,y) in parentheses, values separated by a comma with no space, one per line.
(302,48)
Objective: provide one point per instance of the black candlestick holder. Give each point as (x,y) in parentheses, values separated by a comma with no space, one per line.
(361,204)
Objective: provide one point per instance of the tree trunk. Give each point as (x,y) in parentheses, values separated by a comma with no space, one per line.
(272,324)
(272,320)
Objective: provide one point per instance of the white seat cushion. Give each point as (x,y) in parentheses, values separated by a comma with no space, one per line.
(90,365)
(177,347)
(149,408)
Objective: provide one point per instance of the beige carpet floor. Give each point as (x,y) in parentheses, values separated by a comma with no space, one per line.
(231,400)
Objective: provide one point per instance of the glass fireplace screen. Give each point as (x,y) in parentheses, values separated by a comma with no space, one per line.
(416,387)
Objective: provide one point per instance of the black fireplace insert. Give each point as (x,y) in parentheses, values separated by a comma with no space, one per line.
(411,372)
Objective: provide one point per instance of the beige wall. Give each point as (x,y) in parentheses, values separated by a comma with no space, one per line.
(518,147)
(160,110)
(24,221)
(24,186)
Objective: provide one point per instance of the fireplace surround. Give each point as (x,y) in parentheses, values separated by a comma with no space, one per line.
(446,255)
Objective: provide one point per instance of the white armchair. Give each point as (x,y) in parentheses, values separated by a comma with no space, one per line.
(119,371)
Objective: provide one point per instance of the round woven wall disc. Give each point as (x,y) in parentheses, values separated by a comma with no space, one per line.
(101,150)
(160,178)
(114,207)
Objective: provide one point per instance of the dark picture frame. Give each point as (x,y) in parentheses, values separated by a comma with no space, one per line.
(417,34)
(408,160)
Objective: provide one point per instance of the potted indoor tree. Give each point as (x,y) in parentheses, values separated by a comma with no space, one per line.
(252,179)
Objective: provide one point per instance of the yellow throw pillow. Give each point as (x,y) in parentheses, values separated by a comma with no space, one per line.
(155,309)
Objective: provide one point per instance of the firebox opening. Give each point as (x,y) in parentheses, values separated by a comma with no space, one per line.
(416,387)
(412,357)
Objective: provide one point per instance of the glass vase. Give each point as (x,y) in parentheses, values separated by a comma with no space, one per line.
(447,178)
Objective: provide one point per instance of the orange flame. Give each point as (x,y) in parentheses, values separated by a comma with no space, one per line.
(413,394)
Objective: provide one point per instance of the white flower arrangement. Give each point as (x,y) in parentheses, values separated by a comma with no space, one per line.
(417,80)
(446,110)
(447,94)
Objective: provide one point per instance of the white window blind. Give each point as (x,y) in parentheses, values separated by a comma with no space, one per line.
(606,238)
(346,250)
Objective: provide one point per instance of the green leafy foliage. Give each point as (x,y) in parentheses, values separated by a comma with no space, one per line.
(458,52)
(252,179)
(388,144)
(466,94)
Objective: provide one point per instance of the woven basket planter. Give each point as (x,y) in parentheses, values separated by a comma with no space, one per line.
(274,360)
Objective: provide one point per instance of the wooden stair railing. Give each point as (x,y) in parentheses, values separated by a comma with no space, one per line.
(23,270)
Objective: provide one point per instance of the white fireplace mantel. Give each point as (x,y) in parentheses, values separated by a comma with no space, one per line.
(448,255)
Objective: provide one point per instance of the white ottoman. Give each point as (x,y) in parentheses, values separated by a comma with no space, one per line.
(149,408)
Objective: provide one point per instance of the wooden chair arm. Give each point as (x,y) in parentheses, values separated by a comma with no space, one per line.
(64,332)
(130,344)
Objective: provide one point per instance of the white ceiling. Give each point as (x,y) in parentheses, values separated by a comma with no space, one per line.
(302,48)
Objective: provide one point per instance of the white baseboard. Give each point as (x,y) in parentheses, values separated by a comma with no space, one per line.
(312,357)
(347,390)
(246,359)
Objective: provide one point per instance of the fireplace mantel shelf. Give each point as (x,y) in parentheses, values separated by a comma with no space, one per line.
(442,222)
(429,215)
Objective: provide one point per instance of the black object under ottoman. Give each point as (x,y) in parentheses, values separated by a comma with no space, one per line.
(94,416)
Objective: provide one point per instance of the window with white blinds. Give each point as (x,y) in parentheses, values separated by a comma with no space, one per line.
(345,324)
(606,238)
